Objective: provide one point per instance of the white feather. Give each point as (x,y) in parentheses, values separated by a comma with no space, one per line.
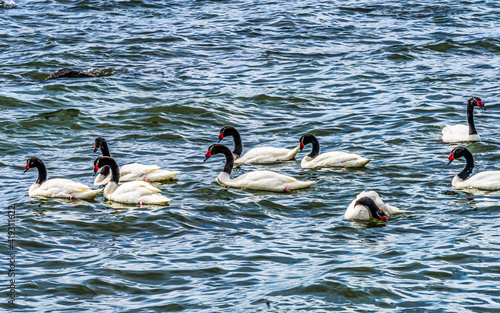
(134,192)
(458,133)
(334,159)
(62,188)
(267,155)
(263,180)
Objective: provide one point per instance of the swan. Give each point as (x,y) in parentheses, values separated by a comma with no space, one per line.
(256,155)
(457,133)
(56,187)
(130,172)
(134,192)
(368,205)
(256,180)
(328,159)
(489,180)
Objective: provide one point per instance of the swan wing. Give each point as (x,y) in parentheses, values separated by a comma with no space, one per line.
(489,180)
(63,188)
(137,169)
(138,191)
(458,133)
(335,159)
(267,155)
(264,180)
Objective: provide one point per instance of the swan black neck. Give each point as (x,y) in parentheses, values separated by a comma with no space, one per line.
(218,148)
(101,162)
(308,138)
(375,211)
(42,170)
(472,102)
(470,119)
(101,143)
(467,171)
(238,145)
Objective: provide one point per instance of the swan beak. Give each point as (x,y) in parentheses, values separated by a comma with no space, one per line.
(221,136)
(451,157)
(27,167)
(481,105)
(96,169)
(381,215)
(208,154)
(301,147)
(95,148)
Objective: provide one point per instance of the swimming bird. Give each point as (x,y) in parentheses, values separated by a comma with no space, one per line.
(489,180)
(133,192)
(256,180)
(256,155)
(56,187)
(368,205)
(130,172)
(457,133)
(328,159)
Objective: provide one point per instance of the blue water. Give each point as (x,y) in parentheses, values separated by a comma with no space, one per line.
(376,78)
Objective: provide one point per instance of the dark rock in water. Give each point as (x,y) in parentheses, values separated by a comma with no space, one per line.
(66,72)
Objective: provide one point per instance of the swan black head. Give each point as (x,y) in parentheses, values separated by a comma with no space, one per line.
(476,101)
(99,143)
(457,153)
(215,149)
(33,162)
(226,131)
(103,161)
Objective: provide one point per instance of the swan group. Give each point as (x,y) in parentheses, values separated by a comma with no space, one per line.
(130,183)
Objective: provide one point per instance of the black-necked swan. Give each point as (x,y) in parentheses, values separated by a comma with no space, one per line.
(256,155)
(328,159)
(368,205)
(131,172)
(458,133)
(57,187)
(134,192)
(256,180)
(489,180)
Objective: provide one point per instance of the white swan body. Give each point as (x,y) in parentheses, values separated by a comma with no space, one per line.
(461,133)
(256,180)
(263,180)
(489,180)
(267,155)
(334,159)
(361,212)
(131,172)
(57,187)
(136,171)
(134,192)
(256,155)
(328,159)
(458,133)
(62,188)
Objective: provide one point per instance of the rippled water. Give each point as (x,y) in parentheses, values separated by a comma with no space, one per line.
(377,78)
